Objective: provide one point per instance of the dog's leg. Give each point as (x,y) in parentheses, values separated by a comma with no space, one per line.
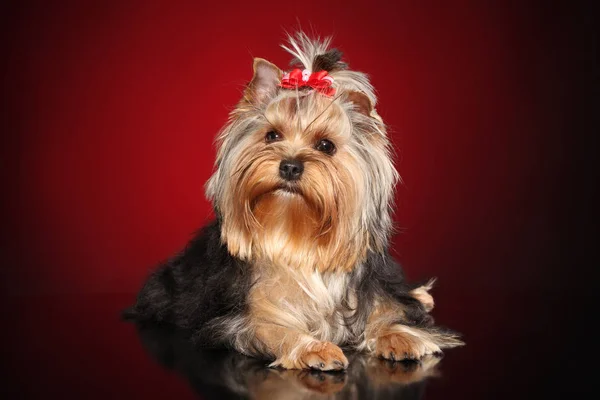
(390,339)
(296,350)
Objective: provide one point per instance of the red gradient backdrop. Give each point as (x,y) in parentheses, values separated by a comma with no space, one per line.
(111,109)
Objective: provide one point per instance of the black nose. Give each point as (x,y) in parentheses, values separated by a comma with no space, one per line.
(291,170)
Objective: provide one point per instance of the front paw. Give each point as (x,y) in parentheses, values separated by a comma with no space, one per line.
(403,346)
(322,356)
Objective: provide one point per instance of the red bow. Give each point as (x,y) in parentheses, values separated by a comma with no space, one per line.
(319,81)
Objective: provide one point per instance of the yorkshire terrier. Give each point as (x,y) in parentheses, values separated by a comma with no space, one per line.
(296,263)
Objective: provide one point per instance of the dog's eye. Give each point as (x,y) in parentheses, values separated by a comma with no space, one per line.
(272,136)
(325,146)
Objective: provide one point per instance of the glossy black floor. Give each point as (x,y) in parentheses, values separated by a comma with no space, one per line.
(519,344)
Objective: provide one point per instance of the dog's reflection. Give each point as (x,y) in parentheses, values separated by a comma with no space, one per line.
(220,374)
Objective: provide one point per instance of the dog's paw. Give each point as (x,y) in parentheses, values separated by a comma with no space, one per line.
(323,356)
(403,346)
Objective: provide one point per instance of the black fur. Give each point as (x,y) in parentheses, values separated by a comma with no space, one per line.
(204,284)
(330,61)
(194,288)
(383,277)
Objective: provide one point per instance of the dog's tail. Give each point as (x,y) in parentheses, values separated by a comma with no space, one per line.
(421,293)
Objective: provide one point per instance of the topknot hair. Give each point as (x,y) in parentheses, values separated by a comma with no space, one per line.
(314,54)
(330,61)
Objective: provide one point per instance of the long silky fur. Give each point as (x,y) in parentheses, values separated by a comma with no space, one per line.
(203,287)
(207,287)
(195,288)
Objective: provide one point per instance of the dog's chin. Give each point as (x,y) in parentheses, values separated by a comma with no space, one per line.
(282,194)
(287,191)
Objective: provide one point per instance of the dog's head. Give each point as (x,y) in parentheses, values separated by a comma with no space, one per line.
(304,174)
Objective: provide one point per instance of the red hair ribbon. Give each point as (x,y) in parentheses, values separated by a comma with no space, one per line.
(319,81)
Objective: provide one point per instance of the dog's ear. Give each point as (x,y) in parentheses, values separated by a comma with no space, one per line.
(264,83)
(361,102)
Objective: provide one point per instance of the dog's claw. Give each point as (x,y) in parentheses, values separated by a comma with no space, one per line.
(324,356)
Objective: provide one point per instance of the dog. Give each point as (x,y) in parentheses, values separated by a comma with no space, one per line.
(296,263)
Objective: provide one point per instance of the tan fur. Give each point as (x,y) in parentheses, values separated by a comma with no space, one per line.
(404,345)
(422,294)
(304,238)
(313,227)
(390,340)
(297,317)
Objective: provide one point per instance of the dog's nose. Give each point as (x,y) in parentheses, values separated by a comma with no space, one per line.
(291,170)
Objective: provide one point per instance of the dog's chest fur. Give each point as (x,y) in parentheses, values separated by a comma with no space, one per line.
(319,304)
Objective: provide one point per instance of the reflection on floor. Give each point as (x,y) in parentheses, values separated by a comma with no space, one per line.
(216,374)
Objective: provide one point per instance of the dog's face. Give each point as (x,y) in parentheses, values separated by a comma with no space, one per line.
(302,179)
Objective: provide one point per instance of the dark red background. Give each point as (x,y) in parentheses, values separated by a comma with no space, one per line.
(112,109)
(109,110)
